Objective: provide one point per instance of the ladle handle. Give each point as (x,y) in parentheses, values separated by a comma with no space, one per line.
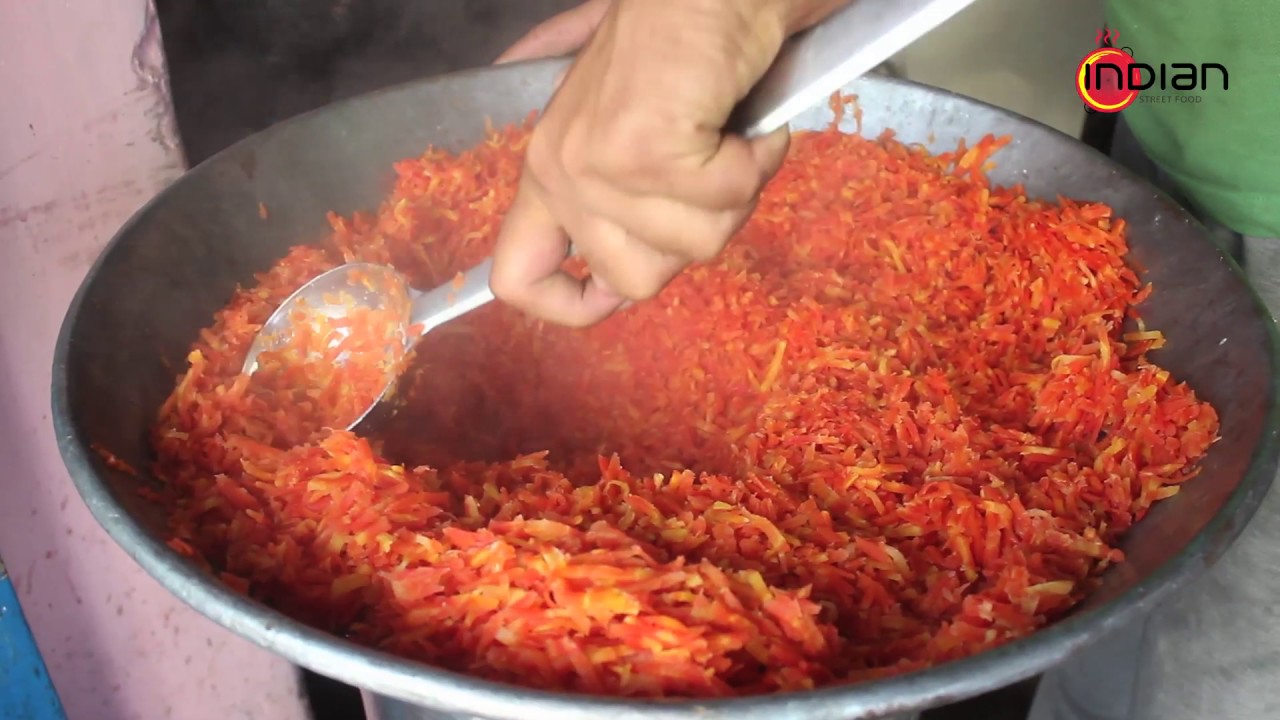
(815,63)
(453,299)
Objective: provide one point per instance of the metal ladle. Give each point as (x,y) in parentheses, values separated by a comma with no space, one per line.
(810,67)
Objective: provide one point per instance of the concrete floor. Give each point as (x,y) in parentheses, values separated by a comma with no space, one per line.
(1019,54)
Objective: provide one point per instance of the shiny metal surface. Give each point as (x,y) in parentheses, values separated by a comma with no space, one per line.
(328,296)
(179,259)
(436,307)
(834,53)
(332,294)
(381,707)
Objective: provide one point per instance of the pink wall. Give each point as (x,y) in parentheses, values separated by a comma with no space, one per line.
(86,136)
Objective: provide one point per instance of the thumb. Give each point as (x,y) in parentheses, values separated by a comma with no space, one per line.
(528,266)
(730,177)
(769,151)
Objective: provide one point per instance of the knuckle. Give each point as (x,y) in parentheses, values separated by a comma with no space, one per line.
(745,191)
(620,149)
(506,287)
(706,248)
(740,187)
(576,156)
(559,157)
(541,152)
(719,230)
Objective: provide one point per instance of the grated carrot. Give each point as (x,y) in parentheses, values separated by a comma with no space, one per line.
(948,436)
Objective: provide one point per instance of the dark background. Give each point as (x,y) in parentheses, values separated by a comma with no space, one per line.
(237,66)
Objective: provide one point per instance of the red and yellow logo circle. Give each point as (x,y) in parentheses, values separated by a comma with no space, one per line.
(1103,90)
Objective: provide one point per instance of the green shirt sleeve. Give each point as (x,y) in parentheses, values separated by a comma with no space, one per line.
(1221,145)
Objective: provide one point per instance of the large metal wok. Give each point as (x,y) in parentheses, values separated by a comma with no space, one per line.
(179,258)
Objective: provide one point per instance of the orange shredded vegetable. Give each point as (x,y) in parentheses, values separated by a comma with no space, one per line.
(897,422)
(112,460)
(328,364)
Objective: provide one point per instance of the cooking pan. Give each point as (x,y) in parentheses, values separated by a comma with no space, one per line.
(178,259)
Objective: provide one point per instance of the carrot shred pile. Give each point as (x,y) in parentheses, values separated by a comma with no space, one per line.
(328,364)
(899,421)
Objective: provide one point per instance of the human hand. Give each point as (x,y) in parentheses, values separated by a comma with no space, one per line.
(629,159)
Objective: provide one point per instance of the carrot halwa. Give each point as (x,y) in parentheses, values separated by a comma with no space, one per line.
(332,359)
(899,421)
